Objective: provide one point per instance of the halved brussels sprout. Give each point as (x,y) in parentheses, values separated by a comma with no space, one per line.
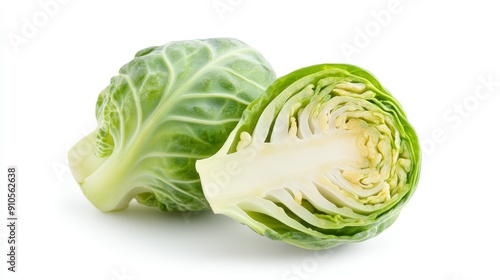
(325,157)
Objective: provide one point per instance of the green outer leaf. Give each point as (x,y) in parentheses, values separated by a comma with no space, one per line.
(168,107)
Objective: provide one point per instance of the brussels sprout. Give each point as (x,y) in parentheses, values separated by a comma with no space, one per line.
(168,107)
(325,157)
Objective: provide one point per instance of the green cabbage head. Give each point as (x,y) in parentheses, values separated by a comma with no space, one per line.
(168,107)
(325,157)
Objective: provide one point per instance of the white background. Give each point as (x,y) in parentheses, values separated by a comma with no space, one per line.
(432,56)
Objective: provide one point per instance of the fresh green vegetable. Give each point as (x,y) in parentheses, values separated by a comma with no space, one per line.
(168,107)
(326,157)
